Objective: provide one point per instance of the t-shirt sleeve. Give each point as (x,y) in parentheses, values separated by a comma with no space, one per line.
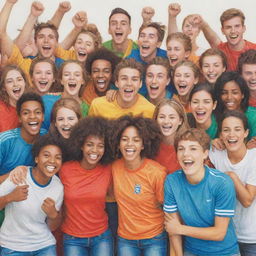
(159,186)
(6,187)
(59,199)
(225,198)
(251,178)
(170,205)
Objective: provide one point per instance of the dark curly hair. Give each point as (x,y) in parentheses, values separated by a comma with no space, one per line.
(90,126)
(148,131)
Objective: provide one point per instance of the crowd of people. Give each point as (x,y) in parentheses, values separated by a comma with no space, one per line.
(124,148)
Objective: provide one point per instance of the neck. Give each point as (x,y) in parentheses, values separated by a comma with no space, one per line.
(39,178)
(120,47)
(85,165)
(30,139)
(184,99)
(253,94)
(158,99)
(124,104)
(237,47)
(197,178)
(237,156)
(149,58)
(133,165)
(76,97)
(205,125)
(169,140)
(12,102)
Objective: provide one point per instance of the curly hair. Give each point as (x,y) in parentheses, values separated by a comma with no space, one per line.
(3,94)
(248,57)
(148,131)
(90,126)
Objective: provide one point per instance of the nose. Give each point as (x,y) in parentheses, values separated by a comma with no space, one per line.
(154,80)
(210,68)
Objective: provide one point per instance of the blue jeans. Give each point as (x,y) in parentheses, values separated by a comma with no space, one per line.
(156,246)
(101,245)
(186,253)
(46,251)
(247,249)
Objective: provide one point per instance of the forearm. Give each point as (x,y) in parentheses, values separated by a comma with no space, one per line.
(4,200)
(176,245)
(210,35)
(57,18)
(3,177)
(4,15)
(54,223)
(172,25)
(70,38)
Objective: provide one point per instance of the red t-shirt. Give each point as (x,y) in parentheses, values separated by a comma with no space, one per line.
(84,199)
(232,56)
(9,118)
(167,157)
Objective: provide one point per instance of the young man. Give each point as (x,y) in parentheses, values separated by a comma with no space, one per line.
(100,65)
(128,80)
(119,29)
(247,69)
(233,28)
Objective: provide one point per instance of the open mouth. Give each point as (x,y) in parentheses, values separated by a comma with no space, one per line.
(252,83)
(232,141)
(47,48)
(16,91)
(166,128)
(43,83)
(233,36)
(188,163)
(118,34)
(200,114)
(128,92)
(82,53)
(50,168)
(101,83)
(173,60)
(130,151)
(33,125)
(93,156)
(66,129)
(72,85)
(145,47)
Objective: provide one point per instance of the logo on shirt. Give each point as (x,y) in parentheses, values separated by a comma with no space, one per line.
(137,188)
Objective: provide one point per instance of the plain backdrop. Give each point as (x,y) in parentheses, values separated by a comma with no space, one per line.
(99,10)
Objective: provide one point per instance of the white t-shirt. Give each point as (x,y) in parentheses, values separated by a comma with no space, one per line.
(245,218)
(24,227)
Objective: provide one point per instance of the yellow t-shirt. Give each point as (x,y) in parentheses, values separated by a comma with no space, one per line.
(65,54)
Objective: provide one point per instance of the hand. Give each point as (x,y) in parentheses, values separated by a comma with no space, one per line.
(3,61)
(80,19)
(12,1)
(37,8)
(64,7)
(251,143)
(18,175)
(232,175)
(218,144)
(48,207)
(197,20)
(174,9)
(172,225)
(20,193)
(111,95)
(147,13)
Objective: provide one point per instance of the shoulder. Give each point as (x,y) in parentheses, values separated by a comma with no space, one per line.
(154,166)
(10,135)
(219,179)
(161,53)
(99,100)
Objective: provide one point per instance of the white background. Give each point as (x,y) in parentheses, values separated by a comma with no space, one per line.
(99,10)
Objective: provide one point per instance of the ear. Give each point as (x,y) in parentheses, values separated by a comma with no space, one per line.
(116,84)
(187,54)
(140,83)
(158,44)
(214,104)
(36,159)
(196,80)
(168,81)
(206,153)
(246,133)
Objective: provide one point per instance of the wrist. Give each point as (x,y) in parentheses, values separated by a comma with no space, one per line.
(53,215)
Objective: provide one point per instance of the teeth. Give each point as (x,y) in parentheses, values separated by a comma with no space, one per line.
(82,53)
(119,34)
(233,36)
(93,156)
(101,83)
(212,75)
(72,85)
(130,151)
(145,47)
(128,90)
(154,87)
(43,82)
(232,141)
(46,47)
(50,168)
(33,123)
(66,129)
(200,112)
(16,90)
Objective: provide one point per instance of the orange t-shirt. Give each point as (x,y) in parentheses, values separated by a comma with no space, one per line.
(232,56)
(84,199)
(9,118)
(139,195)
(167,157)
(186,106)
(89,93)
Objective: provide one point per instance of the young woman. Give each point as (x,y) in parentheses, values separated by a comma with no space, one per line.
(157,80)
(138,187)
(239,163)
(32,208)
(202,105)
(213,62)
(73,78)
(85,225)
(171,118)
(12,85)
(199,201)
(232,93)
(185,76)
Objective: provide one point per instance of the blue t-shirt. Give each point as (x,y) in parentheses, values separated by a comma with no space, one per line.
(14,151)
(135,54)
(198,204)
(48,101)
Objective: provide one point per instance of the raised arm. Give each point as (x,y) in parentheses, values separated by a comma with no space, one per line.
(245,193)
(147,14)
(79,20)
(5,14)
(57,17)
(210,35)
(173,11)
(36,10)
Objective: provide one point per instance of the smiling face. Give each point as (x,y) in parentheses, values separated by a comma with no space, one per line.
(249,75)
(184,80)
(84,45)
(212,68)
(65,120)
(43,77)
(168,120)
(46,42)
(148,43)
(48,162)
(191,156)
(101,75)
(157,79)
(31,117)
(233,29)
(202,106)
(233,134)
(176,52)
(72,79)
(119,28)
(128,83)
(93,150)
(231,96)
(131,145)
(14,85)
